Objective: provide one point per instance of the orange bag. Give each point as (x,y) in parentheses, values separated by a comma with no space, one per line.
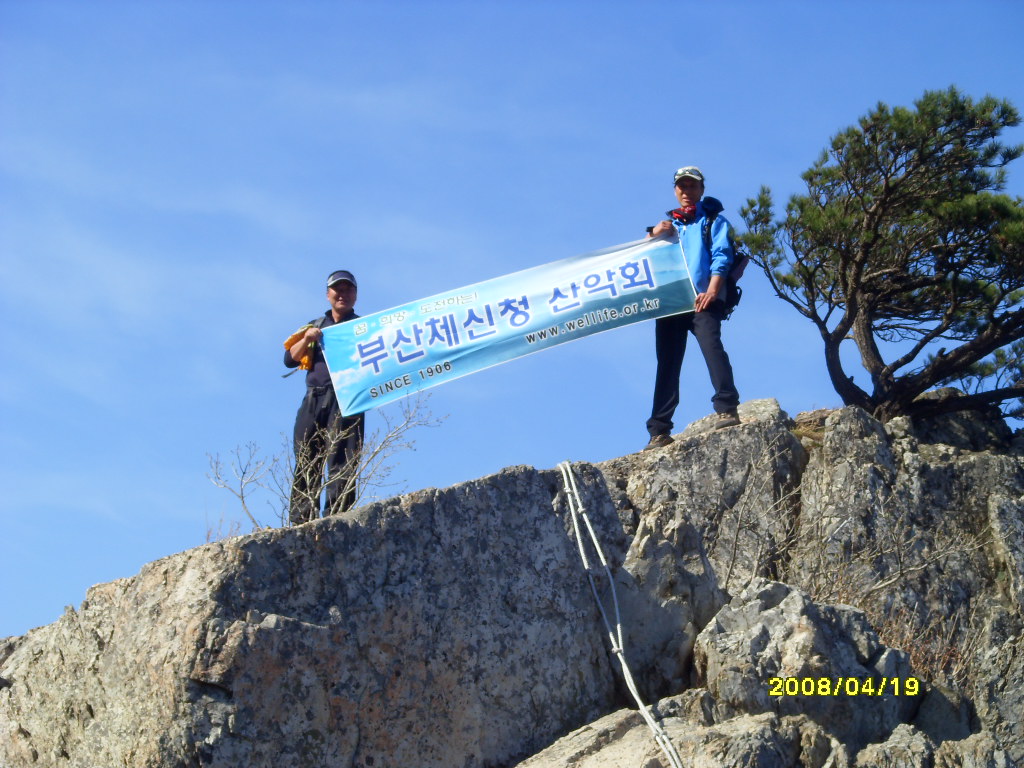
(306,363)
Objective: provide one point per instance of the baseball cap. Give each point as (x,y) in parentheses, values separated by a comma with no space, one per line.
(689,171)
(341,275)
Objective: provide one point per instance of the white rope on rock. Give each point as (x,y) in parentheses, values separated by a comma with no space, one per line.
(577,511)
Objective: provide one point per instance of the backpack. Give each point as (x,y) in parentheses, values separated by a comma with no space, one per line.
(733,293)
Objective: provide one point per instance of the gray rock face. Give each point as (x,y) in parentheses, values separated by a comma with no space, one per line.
(930,534)
(621,739)
(772,631)
(968,430)
(731,719)
(456,627)
(737,487)
(443,628)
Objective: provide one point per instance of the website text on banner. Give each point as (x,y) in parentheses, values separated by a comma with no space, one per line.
(379,358)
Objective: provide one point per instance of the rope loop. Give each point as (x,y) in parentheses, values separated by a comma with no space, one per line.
(618,645)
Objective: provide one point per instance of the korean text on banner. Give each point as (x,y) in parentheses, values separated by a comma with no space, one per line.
(379,358)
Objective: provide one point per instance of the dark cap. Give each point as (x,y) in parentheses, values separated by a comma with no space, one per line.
(341,276)
(689,171)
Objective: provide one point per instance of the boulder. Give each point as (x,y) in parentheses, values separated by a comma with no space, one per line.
(772,636)
(981,429)
(446,627)
(623,739)
(737,487)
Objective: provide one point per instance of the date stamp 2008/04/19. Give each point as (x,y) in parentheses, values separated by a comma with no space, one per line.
(843,686)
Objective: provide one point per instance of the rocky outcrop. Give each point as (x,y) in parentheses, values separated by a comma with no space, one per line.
(733,716)
(928,535)
(456,627)
(442,628)
(772,633)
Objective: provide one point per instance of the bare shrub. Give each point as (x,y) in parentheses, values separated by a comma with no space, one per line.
(887,573)
(750,535)
(249,473)
(942,648)
(222,529)
(887,564)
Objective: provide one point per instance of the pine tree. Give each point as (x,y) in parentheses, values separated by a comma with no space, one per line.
(905,245)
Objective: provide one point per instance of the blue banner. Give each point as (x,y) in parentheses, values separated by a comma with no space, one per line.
(379,358)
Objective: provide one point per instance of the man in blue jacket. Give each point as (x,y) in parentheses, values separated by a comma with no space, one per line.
(708,270)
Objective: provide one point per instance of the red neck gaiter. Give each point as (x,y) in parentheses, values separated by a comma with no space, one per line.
(686,215)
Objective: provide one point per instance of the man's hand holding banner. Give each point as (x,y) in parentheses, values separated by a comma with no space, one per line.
(379,358)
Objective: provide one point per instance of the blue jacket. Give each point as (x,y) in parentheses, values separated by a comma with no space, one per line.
(703,265)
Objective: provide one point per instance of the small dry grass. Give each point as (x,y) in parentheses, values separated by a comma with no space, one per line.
(941,649)
(811,433)
(884,576)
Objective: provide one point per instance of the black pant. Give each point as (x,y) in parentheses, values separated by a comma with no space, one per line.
(324,437)
(670,343)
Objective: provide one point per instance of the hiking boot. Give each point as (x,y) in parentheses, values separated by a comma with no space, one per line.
(727,419)
(658,441)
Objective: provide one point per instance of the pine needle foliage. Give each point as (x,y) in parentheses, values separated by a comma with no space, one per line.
(905,244)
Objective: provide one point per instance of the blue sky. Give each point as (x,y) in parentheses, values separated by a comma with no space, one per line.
(177,179)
